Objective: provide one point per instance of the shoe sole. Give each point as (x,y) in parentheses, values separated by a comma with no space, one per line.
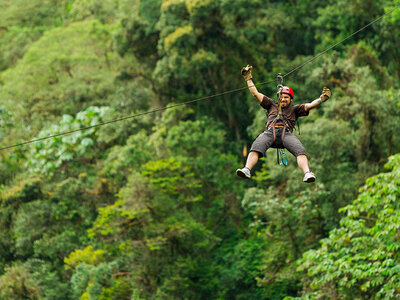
(241,174)
(309,180)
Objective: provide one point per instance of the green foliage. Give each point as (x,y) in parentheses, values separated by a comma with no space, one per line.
(242,264)
(121,159)
(33,13)
(153,218)
(88,280)
(64,151)
(150,208)
(341,18)
(108,11)
(288,226)
(15,42)
(26,190)
(5,117)
(17,283)
(47,277)
(360,258)
(60,72)
(159,214)
(87,255)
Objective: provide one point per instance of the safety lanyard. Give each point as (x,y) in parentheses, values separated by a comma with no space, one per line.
(279,79)
(281,157)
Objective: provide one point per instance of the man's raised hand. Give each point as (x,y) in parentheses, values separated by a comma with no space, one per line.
(326,94)
(246,72)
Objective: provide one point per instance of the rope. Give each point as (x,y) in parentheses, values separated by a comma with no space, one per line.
(124,118)
(194,100)
(340,42)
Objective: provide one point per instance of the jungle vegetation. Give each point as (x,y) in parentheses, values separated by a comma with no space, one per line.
(151,207)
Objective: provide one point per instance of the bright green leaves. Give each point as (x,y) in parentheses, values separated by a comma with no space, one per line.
(121,159)
(341,18)
(15,42)
(150,208)
(108,11)
(50,223)
(88,280)
(33,13)
(299,219)
(160,212)
(34,279)
(25,191)
(5,121)
(87,255)
(117,218)
(162,187)
(361,256)
(51,154)
(44,224)
(200,137)
(138,33)
(153,217)
(60,72)
(181,37)
(172,178)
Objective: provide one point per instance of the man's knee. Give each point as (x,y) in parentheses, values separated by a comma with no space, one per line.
(255,153)
(294,146)
(301,157)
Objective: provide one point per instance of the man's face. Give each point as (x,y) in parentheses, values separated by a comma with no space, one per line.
(286,100)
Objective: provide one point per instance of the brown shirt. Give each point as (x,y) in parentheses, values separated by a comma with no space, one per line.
(290,113)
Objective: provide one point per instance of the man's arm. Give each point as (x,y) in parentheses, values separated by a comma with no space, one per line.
(246,72)
(313,104)
(253,90)
(326,94)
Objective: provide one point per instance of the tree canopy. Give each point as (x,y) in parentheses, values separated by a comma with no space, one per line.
(150,207)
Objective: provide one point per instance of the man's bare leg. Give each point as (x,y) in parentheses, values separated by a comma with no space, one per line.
(252,160)
(302,161)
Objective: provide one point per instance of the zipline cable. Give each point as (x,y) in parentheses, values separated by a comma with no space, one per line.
(340,42)
(198,99)
(124,118)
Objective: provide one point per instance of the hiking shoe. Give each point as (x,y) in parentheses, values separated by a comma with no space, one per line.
(244,173)
(309,177)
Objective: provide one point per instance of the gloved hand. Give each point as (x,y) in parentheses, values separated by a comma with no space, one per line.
(246,72)
(326,94)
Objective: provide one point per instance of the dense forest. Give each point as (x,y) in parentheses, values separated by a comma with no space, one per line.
(151,207)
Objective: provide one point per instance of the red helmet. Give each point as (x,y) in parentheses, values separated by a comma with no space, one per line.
(286,90)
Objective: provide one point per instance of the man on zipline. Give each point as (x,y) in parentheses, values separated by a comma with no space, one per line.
(278,130)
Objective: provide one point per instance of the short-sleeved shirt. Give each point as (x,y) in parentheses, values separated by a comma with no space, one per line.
(290,113)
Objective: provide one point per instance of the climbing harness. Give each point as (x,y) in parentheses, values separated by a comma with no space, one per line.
(281,156)
(279,116)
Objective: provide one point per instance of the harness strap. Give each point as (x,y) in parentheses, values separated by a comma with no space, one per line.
(272,125)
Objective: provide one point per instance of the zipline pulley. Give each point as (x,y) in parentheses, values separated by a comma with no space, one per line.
(279,79)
